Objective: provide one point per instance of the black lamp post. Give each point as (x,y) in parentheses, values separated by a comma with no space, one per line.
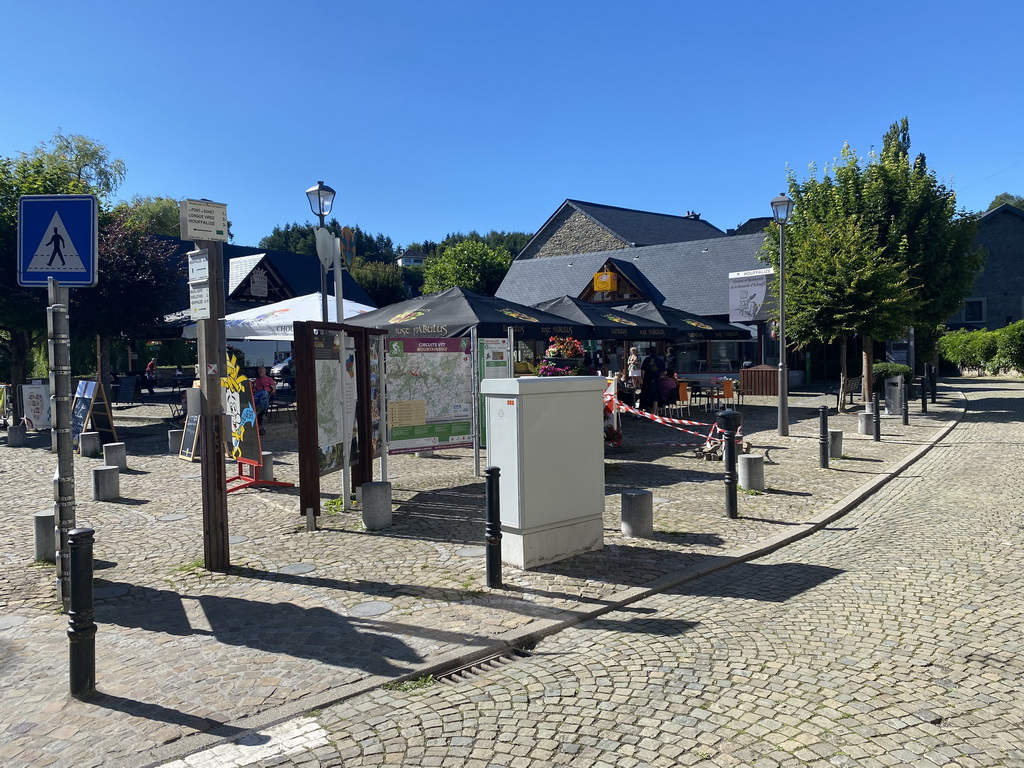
(782,209)
(321,200)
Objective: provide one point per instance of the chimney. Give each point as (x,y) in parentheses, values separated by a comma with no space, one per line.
(693,215)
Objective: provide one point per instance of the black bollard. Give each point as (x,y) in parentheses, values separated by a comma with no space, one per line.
(905,407)
(932,381)
(876,417)
(823,436)
(81,627)
(492,530)
(924,394)
(729,421)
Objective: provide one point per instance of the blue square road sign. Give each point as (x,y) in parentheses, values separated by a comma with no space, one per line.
(58,237)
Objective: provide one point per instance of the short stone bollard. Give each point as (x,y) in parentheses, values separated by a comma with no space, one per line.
(106,484)
(114,455)
(174,438)
(637,513)
(16,436)
(266,471)
(751,471)
(424,454)
(45,536)
(90,444)
(376,505)
(865,423)
(835,443)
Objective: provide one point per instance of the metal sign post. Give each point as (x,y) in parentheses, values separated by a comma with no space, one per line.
(64,479)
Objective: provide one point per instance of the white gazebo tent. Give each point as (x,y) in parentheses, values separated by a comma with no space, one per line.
(273,322)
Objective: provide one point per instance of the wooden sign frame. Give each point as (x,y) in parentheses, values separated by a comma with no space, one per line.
(189,446)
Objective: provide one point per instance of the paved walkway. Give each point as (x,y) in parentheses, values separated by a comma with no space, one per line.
(186,658)
(889,638)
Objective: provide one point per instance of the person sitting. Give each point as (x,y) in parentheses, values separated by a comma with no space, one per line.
(624,391)
(263,388)
(668,388)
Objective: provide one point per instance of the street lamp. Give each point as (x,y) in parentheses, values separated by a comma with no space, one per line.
(782,209)
(321,200)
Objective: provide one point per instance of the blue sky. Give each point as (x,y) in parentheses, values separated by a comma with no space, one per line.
(452,115)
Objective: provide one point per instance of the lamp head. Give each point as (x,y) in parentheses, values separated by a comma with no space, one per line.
(321,199)
(782,208)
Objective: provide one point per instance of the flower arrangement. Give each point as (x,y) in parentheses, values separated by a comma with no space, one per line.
(548,368)
(564,347)
(613,436)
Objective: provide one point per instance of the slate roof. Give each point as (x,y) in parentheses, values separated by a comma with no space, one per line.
(692,276)
(635,228)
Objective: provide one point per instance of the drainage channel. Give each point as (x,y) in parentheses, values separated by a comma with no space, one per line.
(482,666)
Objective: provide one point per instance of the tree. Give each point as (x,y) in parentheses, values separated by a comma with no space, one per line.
(906,229)
(1006,199)
(66,165)
(83,161)
(469,264)
(133,293)
(840,284)
(153,215)
(382,282)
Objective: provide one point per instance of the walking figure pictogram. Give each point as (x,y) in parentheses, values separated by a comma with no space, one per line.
(58,243)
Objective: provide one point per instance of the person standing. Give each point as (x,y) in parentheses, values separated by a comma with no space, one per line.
(150,375)
(633,368)
(650,370)
(263,387)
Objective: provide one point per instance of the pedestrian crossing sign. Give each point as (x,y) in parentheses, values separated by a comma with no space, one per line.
(58,237)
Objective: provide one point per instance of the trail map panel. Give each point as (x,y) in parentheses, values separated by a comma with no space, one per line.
(429,386)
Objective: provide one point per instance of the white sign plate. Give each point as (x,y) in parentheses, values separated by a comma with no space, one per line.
(204,220)
(199,299)
(198,266)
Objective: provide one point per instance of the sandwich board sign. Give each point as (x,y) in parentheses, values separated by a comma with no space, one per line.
(58,237)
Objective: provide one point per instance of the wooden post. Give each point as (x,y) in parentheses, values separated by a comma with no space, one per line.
(212,366)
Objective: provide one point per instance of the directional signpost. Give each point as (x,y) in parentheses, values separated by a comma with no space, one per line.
(58,237)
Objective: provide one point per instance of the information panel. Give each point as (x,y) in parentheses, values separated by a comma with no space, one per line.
(429,394)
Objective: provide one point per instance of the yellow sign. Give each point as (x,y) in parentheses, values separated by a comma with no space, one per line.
(605,281)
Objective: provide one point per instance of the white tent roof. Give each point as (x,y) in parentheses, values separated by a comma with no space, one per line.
(273,322)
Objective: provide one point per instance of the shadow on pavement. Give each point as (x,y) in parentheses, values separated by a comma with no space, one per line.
(775,583)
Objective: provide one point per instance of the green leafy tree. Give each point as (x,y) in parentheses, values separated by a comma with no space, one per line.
(1010,347)
(382,282)
(132,294)
(839,283)
(153,215)
(898,213)
(469,264)
(1006,199)
(65,165)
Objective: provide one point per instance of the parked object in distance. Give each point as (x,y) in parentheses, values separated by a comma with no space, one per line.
(283,370)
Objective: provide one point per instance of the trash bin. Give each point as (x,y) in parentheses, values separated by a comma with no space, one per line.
(894,395)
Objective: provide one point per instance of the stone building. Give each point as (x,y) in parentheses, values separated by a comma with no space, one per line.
(998,296)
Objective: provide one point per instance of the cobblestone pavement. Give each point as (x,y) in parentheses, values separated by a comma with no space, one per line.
(891,637)
(188,659)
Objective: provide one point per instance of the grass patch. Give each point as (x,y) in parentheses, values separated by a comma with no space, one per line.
(749,491)
(425,681)
(189,566)
(334,506)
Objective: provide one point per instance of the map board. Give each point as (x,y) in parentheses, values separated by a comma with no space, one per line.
(432,377)
(335,400)
(494,361)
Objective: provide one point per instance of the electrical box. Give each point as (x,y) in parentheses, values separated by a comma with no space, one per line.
(546,435)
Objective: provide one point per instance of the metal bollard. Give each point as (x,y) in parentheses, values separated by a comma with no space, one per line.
(905,407)
(932,381)
(876,418)
(492,530)
(823,436)
(924,394)
(729,421)
(81,627)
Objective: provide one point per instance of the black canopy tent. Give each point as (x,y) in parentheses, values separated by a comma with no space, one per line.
(456,311)
(607,322)
(684,325)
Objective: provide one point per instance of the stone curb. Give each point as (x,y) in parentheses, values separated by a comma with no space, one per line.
(525,639)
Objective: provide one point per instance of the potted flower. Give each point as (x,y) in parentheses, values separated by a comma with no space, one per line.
(563,357)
